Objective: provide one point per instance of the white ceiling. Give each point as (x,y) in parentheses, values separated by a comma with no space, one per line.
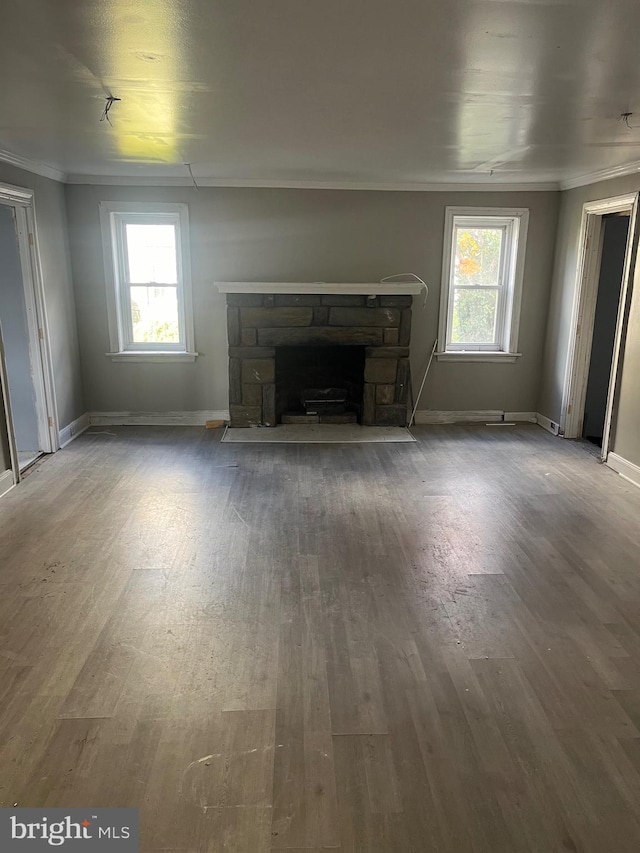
(328,91)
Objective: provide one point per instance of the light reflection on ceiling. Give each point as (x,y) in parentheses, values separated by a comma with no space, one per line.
(323,90)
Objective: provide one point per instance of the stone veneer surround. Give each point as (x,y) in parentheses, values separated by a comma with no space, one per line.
(257,323)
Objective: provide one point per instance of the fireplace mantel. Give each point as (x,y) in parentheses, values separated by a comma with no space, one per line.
(361,288)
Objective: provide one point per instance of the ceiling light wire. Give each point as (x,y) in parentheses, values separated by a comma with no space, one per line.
(110,101)
(625,118)
(188,165)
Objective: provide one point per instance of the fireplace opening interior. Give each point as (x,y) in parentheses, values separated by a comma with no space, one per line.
(319,384)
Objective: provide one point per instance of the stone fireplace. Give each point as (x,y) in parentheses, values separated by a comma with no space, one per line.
(355,345)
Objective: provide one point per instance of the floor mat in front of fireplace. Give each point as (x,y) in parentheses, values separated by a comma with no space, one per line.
(317,434)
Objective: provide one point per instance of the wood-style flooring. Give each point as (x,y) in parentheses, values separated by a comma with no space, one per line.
(382,647)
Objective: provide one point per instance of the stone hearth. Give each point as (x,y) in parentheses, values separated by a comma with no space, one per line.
(258,323)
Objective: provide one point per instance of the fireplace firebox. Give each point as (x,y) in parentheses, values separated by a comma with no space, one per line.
(319,384)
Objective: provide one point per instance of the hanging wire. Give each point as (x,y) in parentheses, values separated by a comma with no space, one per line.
(415,277)
(110,101)
(625,118)
(188,165)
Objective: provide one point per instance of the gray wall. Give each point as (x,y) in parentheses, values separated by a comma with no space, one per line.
(15,336)
(626,426)
(626,433)
(58,287)
(304,235)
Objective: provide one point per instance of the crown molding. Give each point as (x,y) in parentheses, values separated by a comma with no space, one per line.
(478,184)
(450,186)
(600,175)
(37,168)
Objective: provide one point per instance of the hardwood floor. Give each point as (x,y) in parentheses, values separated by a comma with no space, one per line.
(393,647)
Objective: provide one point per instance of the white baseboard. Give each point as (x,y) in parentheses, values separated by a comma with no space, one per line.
(157,418)
(430,416)
(7,481)
(521,417)
(73,430)
(549,425)
(626,469)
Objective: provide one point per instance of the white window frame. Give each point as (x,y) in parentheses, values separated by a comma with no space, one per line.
(515,221)
(113,218)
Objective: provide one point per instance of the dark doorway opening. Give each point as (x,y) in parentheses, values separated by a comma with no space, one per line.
(319,384)
(614,246)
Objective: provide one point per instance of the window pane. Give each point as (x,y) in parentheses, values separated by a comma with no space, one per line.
(474,316)
(154,315)
(151,253)
(477,256)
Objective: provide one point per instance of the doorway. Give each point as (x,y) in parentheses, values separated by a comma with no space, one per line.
(17,346)
(28,394)
(608,245)
(614,246)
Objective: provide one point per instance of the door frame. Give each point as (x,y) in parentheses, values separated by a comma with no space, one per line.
(584,312)
(6,407)
(22,200)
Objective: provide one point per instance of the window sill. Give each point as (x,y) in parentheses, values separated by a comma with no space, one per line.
(151,357)
(495,357)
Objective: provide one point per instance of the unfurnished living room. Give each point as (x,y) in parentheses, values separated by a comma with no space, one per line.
(319,426)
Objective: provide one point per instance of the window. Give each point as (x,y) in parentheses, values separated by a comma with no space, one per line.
(146,254)
(483,264)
